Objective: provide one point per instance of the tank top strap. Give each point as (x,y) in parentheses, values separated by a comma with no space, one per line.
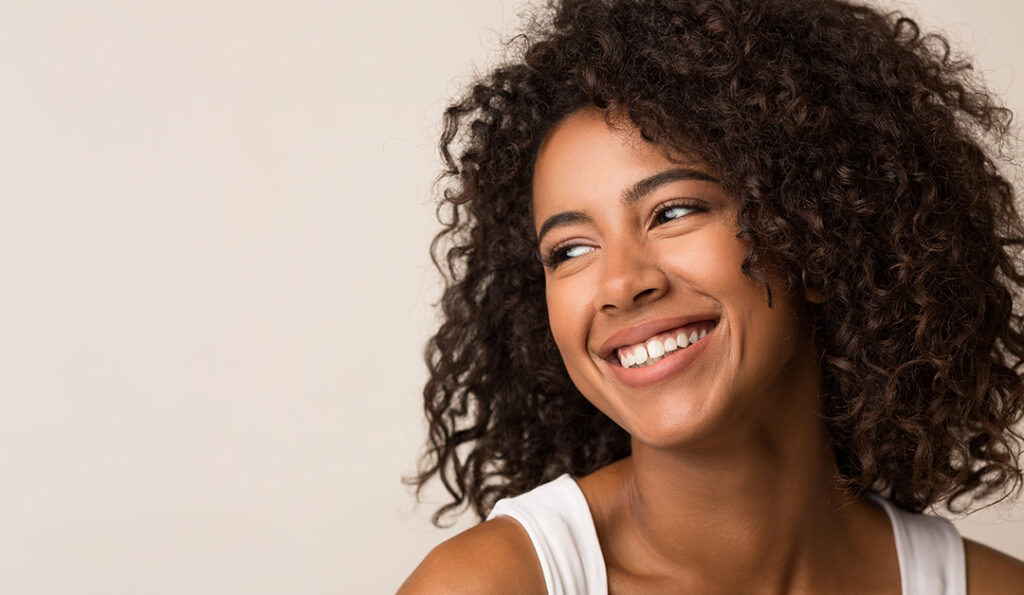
(930,551)
(557,518)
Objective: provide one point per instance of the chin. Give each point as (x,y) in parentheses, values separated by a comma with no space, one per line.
(668,418)
(672,427)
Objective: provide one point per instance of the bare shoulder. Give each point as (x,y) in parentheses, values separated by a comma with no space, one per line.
(495,557)
(990,571)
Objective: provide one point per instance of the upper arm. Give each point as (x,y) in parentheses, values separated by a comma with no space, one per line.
(495,557)
(990,571)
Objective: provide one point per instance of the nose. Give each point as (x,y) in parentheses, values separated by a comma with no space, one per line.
(631,277)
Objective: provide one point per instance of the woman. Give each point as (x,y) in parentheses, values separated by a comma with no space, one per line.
(772,318)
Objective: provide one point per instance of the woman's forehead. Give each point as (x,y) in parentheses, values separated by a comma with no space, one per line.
(586,157)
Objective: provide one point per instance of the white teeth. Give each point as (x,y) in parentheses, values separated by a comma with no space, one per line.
(654,349)
(640,354)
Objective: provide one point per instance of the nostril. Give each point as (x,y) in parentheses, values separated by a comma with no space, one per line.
(643,293)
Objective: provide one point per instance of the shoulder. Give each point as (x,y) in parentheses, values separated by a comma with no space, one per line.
(989,570)
(495,557)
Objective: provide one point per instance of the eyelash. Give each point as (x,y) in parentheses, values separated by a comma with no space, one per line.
(554,256)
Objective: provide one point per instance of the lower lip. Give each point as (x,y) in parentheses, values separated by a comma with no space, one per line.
(673,363)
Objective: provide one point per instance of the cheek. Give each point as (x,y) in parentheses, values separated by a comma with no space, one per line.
(568,319)
(560,318)
(710,261)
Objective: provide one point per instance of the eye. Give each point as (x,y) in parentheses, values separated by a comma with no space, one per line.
(563,252)
(673,210)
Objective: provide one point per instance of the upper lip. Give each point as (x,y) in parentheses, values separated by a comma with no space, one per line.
(645,330)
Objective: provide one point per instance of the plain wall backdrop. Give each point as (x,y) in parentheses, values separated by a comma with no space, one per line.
(214,221)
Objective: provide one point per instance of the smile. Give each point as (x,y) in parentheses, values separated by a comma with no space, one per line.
(654,349)
(652,363)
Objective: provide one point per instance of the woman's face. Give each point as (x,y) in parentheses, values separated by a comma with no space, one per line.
(641,257)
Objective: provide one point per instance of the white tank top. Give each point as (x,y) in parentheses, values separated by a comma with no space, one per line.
(557,518)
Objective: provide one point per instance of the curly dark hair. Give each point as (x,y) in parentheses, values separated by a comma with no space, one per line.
(863,156)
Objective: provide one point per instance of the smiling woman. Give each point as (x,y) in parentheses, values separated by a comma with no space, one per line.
(623,280)
(772,321)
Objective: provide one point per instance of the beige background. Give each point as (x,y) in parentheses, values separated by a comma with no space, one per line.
(214,220)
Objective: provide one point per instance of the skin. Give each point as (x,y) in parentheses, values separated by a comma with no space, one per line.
(729,450)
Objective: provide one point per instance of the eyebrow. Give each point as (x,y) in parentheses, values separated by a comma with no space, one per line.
(648,185)
(629,196)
